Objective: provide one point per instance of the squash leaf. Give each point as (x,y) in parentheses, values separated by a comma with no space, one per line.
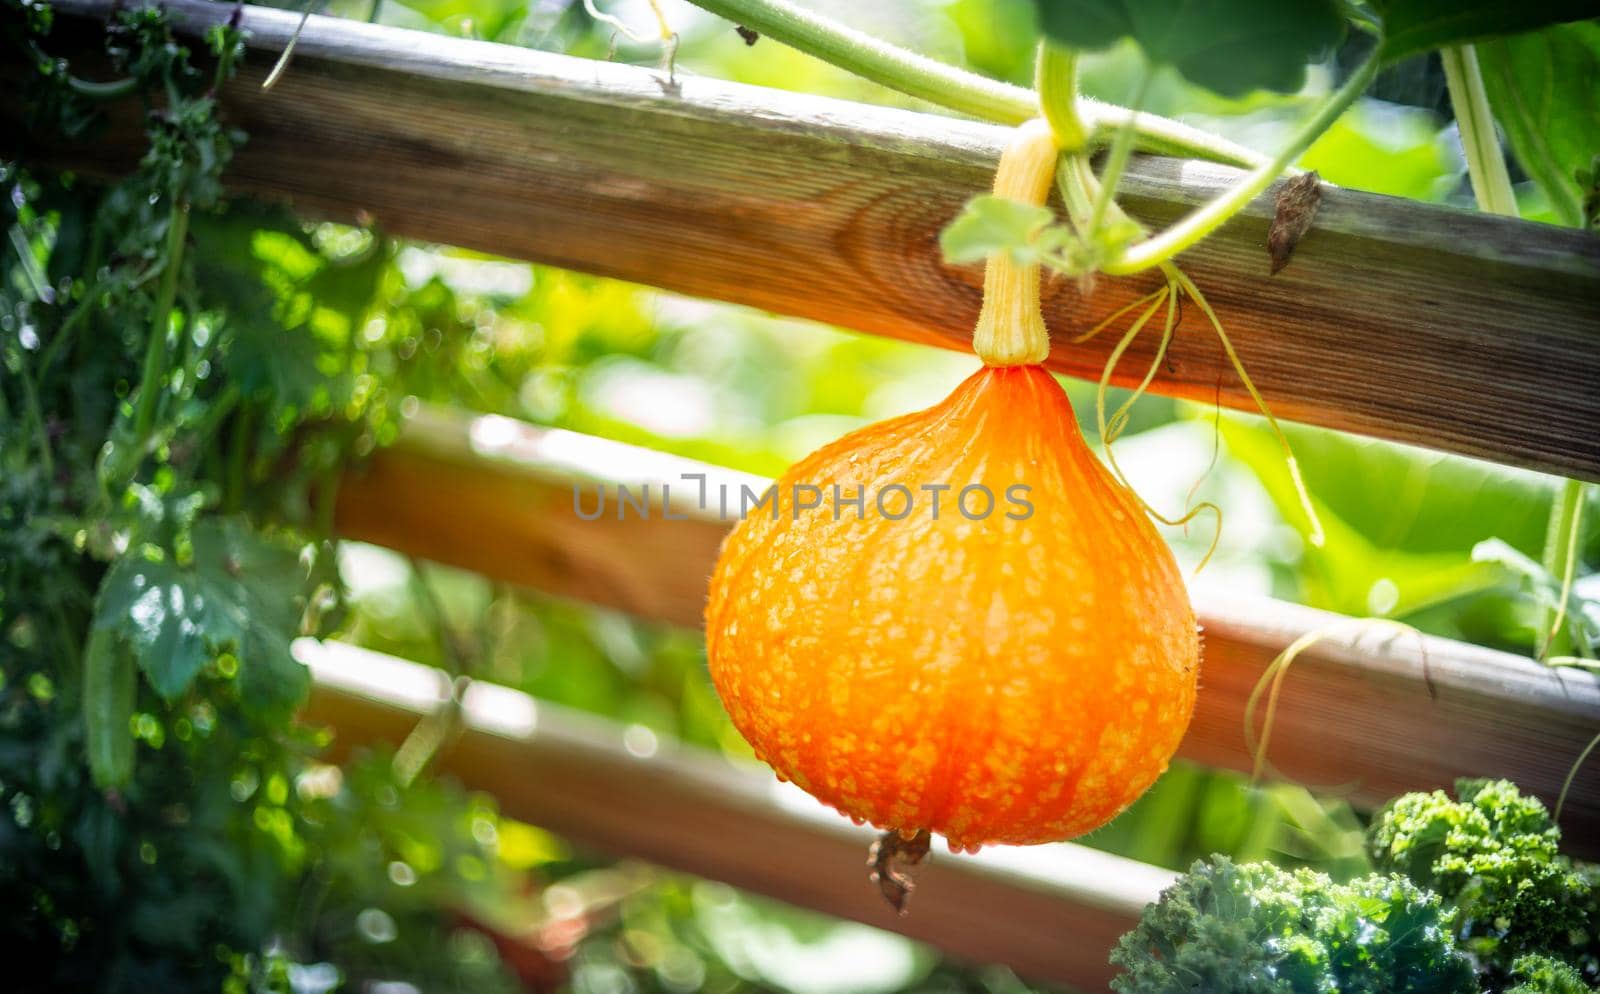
(1412,26)
(1228,46)
(1401,522)
(1543,89)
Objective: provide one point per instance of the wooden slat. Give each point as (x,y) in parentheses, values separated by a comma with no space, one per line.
(1051,913)
(1365,711)
(1431,325)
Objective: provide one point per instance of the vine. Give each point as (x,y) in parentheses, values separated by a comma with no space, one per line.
(965,92)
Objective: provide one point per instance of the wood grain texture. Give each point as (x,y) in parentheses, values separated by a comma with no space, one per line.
(1366,713)
(1050,913)
(1442,327)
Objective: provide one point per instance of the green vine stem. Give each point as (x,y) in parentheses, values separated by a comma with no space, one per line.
(69,326)
(1183,235)
(1561,561)
(111,90)
(1056,79)
(238,457)
(30,394)
(1486,167)
(122,460)
(155,354)
(965,92)
(1117,160)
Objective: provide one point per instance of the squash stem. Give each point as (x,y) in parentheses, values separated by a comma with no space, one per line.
(1011,329)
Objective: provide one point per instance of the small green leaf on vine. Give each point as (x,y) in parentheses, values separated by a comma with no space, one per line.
(989,224)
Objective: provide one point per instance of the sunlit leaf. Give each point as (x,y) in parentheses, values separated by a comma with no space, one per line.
(261,355)
(1228,46)
(492,20)
(264,579)
(1385,148)
(1400,522)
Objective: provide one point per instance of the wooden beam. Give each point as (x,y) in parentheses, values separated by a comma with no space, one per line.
(1050,913)
(1425,324)
(1365,711)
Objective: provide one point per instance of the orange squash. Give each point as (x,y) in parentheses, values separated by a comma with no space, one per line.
(1017,676)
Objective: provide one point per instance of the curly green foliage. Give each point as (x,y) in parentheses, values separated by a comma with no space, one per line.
(1493,854)
(176,375)
(1252,928)
(1543,975)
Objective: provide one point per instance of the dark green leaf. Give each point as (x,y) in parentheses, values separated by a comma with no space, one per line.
(265,356)
(1412,26)
(163,616)
(266,581)
(240,592)
(1543,89)
(1229,46)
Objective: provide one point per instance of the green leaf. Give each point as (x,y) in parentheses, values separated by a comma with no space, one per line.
(492,20)
(1400,522)
(1542,88)
(161,615)
(1385,149)
(265,583)
(1228,46)
(989,224)
(1412,26)
(264,356)
(240,592)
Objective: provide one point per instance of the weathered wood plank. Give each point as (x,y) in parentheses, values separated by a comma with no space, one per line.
(1367,712)
(1446,328)
(1051,913)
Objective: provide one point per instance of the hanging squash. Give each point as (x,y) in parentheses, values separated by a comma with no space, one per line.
(957,621)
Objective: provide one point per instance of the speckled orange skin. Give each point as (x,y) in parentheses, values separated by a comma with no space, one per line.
(994,680)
